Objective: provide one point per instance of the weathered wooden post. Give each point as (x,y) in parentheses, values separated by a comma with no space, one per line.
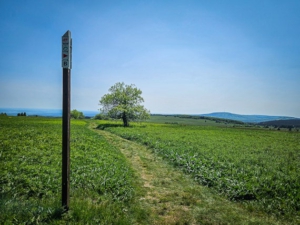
(67,66)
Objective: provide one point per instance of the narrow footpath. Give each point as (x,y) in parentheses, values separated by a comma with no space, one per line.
(173,197)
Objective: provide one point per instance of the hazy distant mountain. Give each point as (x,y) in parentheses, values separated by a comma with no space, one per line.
(246,118)
(282,123)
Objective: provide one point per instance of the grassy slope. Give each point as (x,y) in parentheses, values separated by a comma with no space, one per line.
(173,119)
(186,120)
(215,122)
(244,164)
(107,188)
(175,198)
(103,187)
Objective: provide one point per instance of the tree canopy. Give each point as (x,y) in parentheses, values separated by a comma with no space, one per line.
(77,114)
(124,102)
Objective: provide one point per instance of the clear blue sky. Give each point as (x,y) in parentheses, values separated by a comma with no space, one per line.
(186,56)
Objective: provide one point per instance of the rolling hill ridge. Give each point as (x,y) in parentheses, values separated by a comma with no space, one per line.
(246,118)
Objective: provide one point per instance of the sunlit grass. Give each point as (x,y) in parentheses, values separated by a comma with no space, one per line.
(254,168)
(102,185)
(173,197)
(257,167)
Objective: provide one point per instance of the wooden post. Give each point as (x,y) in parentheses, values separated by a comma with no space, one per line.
(66,64)
(66,140)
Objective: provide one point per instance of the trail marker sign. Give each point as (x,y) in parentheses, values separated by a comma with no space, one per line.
(66,100)
(66,51)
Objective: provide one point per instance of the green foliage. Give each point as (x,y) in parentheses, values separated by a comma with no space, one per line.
(22,114)
(102,184)
(100,116)
(75,114)
(258,167)
(124,102)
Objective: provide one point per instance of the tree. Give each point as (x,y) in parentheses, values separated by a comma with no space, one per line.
(77,114)
(123,102)
(22,114)
(100,116)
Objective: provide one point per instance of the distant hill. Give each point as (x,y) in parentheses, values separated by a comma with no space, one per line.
(246,118)
(282,123)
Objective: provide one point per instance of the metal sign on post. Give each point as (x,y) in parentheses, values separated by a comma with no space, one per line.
(67,66)
(67,50)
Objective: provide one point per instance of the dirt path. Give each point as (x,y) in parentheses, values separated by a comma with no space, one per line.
(165,188)
(173,197)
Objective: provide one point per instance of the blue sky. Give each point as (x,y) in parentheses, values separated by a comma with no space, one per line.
(186,56)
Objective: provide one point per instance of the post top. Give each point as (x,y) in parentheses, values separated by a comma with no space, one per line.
(67,34)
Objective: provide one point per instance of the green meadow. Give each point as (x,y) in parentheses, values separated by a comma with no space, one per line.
(258,167)
(102,184)
(232,174)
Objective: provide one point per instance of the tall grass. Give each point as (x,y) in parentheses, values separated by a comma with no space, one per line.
(103,186)
(260,168)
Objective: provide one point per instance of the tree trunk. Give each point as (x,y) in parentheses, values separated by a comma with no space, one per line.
(125,120)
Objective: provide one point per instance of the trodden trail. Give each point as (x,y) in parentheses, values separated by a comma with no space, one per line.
(173,197)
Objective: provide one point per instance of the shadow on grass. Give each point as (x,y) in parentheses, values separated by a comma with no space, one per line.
(108,125)
(15,211)
(55,215)
(104,126)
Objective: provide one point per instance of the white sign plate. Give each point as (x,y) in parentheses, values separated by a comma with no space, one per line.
(66,51)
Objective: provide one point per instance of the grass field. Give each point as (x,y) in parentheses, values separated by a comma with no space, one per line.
(189,120)
(176,120)
(103,186)
(258,167)
(114,181)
